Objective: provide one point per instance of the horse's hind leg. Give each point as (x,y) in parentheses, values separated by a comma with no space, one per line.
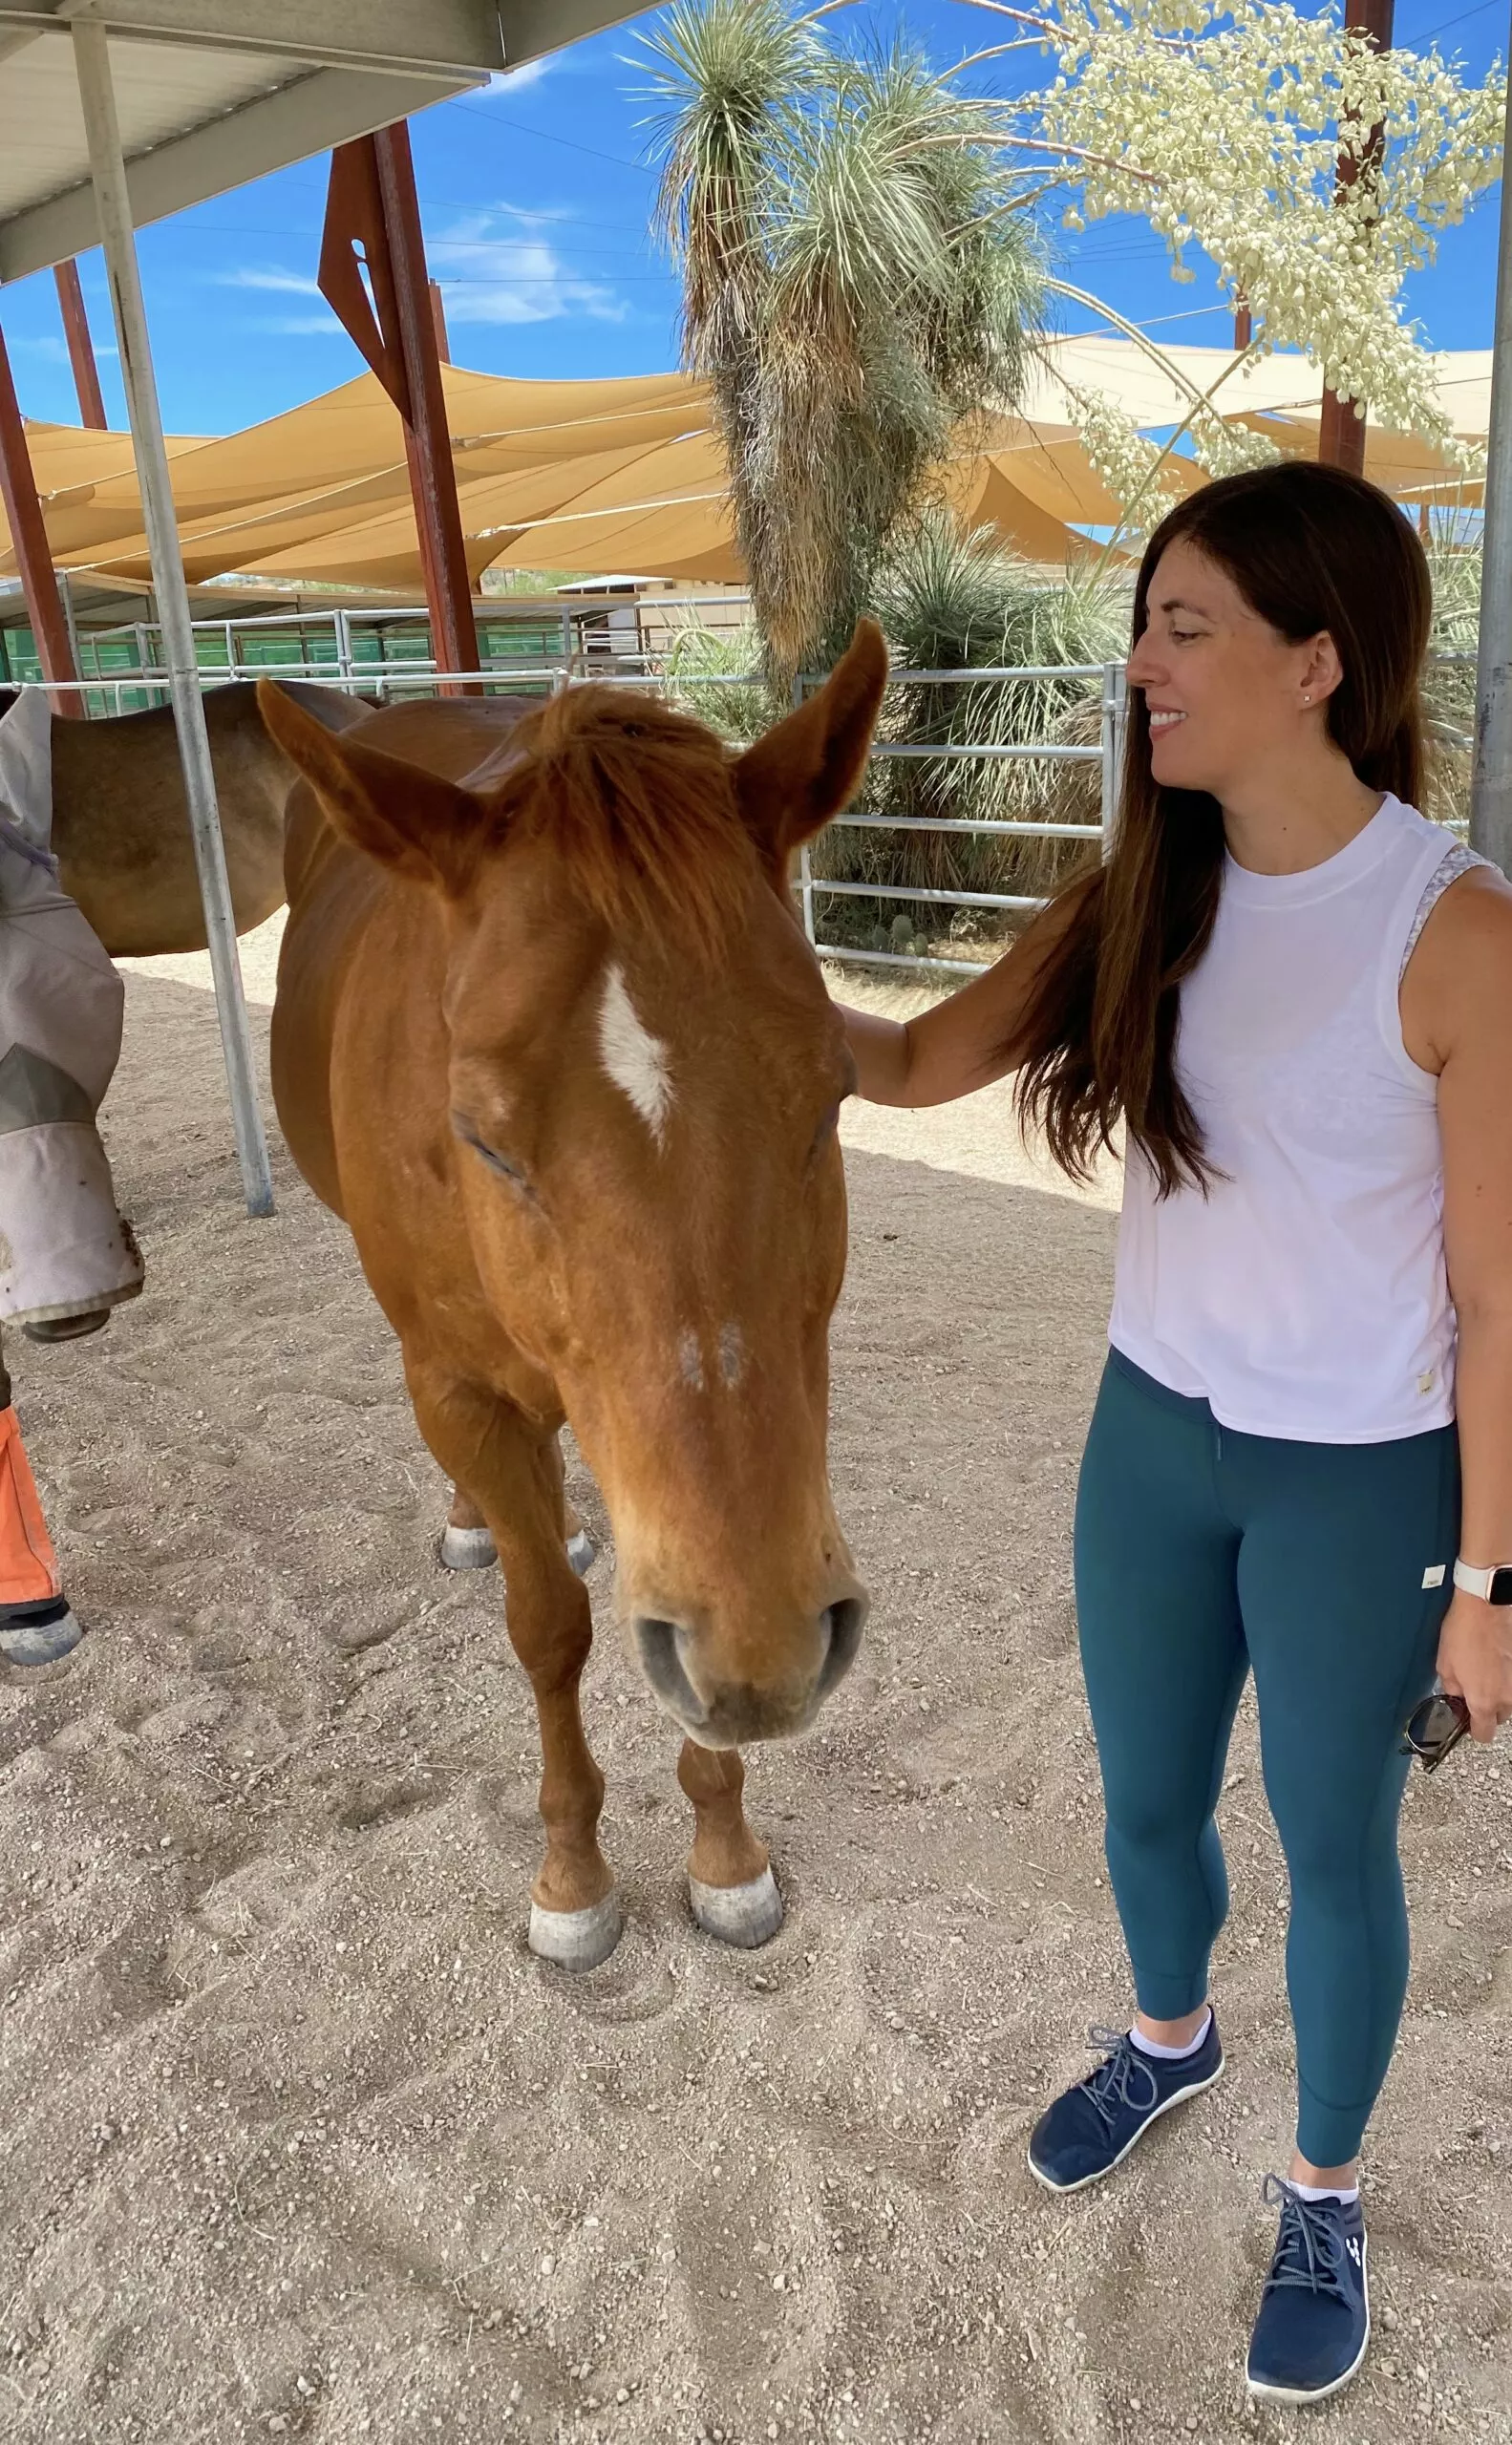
(467,1542)
(730,1880)
(515,1476)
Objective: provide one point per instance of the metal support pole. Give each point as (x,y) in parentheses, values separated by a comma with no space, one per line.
(453,634)
(1115,708)
(805,863)
(32,551)
(1341,426)
(1491,782)
(108,173)
(80,346)
(438,318)
(341,623)
(567,646)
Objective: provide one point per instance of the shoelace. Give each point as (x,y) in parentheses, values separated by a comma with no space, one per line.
(1310,2249)
(1109,2085)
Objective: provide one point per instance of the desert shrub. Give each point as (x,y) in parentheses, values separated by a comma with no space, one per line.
(953,601)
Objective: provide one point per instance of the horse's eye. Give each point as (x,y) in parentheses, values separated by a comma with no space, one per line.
(505,1164)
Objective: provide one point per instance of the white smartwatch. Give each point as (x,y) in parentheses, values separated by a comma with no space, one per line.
(1493,1584)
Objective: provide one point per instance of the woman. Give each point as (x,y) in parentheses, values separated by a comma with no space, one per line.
(1295,994)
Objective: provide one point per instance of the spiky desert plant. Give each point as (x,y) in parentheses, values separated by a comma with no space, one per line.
(1449,681)
(856,281)
(954,600)
(717,673)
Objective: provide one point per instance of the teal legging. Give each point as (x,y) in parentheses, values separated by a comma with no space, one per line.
(1201,1553)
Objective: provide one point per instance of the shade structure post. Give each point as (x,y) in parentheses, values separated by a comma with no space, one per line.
(1341,427)
(108,174)
(1115,710)
(1491,773)
(80,346)
(33,553)
(433,477)
(384,303)
(444,345)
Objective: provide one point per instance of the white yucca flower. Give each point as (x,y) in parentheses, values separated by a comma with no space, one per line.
(1223,127)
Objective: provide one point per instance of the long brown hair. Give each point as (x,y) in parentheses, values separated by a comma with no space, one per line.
(1310,548)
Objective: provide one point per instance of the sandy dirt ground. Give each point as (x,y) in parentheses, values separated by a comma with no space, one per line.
(300,2141)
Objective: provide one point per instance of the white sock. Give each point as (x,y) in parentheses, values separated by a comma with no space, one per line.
(1306,2190)
(1174,2054)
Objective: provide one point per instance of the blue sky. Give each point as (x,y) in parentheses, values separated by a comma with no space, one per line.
(536,200)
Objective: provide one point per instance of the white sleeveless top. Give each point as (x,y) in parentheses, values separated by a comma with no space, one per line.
(1306,1296)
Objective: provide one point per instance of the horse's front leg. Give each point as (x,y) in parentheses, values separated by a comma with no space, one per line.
(730,1880)
(515,1473)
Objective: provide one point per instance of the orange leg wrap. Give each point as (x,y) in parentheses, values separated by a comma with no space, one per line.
(28,1564)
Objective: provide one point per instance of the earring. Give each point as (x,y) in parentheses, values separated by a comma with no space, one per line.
(1306,700)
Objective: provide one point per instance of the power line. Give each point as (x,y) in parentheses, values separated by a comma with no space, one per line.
(497,118)
(1433,31)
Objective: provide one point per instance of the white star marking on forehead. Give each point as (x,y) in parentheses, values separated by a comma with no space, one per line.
(635,1058)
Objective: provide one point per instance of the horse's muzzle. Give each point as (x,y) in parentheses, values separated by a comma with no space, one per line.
(725,1714)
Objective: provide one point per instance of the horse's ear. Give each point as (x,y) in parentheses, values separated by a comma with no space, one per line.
(810,765)
(412,821)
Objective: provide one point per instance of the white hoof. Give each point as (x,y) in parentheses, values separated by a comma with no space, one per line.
(581,1553)
(739,1914)
(467,1548)
(577,1939)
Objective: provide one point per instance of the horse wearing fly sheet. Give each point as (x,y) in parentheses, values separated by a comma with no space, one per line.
(550,1040)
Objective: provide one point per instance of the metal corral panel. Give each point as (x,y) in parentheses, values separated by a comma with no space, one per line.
(212,92)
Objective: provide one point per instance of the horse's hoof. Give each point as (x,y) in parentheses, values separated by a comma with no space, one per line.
(747,1915)
(467,1548)
(581,1553)
(577,1939)
(40,1631)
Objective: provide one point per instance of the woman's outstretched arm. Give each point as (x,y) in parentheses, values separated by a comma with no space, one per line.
(965,1041)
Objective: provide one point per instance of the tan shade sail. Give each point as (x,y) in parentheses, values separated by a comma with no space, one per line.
(628,474)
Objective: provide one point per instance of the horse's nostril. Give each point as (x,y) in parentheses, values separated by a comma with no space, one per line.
(661,1661)
(846,1622)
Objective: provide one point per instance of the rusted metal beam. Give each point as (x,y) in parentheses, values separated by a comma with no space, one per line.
(80,346)
(438,318)
(372,205)
(1341,427)
(33,553)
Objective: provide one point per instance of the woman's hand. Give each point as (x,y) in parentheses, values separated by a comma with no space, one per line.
(1475,1660)
(963,1042)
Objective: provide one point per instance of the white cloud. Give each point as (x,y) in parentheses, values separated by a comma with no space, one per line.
(298,326)
(492,273)
(286,284)
(514,81)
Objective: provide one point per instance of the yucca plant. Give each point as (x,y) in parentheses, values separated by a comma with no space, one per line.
(955,601)
(705,668)
(1449,685)
(856,281)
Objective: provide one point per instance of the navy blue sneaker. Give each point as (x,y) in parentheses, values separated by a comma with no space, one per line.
(1093,2127)
(1314,2321)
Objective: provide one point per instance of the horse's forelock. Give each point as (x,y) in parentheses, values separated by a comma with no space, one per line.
(639,803)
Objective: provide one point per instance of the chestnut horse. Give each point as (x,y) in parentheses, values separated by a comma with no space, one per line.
(549,1039)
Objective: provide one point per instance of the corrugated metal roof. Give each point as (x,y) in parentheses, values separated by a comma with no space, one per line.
(212,92)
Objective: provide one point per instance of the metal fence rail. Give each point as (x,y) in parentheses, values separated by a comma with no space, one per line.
(1108,752)
(395,680)
(345,670)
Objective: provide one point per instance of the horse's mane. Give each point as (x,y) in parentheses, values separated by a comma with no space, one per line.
(639,801)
